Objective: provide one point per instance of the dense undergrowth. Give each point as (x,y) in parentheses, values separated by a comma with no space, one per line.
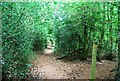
(20,38)
(84,23)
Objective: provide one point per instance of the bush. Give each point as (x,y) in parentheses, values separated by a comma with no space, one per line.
(39,42)
(18,39)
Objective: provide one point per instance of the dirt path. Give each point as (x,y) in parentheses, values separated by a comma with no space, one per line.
(46,67)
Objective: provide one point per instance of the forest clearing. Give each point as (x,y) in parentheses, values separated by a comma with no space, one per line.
(60,40)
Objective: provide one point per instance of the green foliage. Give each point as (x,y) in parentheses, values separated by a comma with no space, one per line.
(72,32)
(27,27)
(81,24)
(39,42)
(20,34)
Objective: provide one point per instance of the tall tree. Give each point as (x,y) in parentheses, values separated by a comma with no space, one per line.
(102,31)
(118,75)
(110,29)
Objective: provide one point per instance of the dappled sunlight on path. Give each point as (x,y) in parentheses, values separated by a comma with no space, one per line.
(49,50)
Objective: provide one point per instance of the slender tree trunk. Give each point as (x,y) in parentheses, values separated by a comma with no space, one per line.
(102,34)
(110,30)
(118,75)
(85,35)
(108,18)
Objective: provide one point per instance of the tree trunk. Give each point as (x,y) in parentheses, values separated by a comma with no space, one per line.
(102,34)
(109,27)
(85,37)
(118,75)
(110,30)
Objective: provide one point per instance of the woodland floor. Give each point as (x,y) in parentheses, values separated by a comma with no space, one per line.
(46,67)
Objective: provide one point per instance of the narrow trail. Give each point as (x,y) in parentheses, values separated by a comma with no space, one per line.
(46,67)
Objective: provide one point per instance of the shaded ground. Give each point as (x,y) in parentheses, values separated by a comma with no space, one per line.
(46,67)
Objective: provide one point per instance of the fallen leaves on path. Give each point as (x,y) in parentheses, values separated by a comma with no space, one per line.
(46,67)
